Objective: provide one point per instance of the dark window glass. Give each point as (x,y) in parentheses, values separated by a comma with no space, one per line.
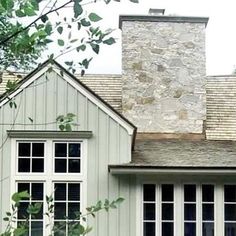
(60,165)
(208,211)
(230,193)
(74,166)
(208,193)
(37,165)
(149,229)
(189,229)
(149,191)
(167,229)
(189,193)
(189,212)
(230,229)
(62,226)
(73,192)
(59,210)
(208,229)
(24,187)
(60,149)
(37,228)
(23,223)
(73,210)
(167,192)
(37,191)
(24,150)
(74,150)
(149,211)
(39,215)
(230,212)
(24,165)
(60,191)
(167,211)
(22,210)
(38,149)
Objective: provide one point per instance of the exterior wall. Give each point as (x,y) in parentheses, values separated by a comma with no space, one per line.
(43,101)
(164,76)
(221,113)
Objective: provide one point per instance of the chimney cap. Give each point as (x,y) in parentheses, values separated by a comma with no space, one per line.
(156,11)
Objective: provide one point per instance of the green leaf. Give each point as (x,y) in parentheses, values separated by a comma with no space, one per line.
(6,218)
(61,127)
(48,28)
(19,13)
(31,120)
(78,10)
(85,23)
(29,11)
(94,17)
(61,42)
(16,197)
(109,41)
(60,29)
(69,63)
(44,18)
(81,47)
(134,1)
(95,47)
(68,127)
(119,200)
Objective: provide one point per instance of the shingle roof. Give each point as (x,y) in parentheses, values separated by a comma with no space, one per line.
(183,153)
(108,87)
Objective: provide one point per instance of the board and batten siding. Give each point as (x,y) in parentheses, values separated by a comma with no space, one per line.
(43,100)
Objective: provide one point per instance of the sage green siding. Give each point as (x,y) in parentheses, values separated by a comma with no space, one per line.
(45,99)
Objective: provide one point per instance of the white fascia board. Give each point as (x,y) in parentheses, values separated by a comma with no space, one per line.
(26,84)
(96,101)
(175,171)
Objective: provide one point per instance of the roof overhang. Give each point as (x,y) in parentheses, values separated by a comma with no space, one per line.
(181,170)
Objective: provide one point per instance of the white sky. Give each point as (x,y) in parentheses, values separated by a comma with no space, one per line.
(220,31)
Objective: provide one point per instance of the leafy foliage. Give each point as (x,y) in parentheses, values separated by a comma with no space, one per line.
(27,27)
(65,122)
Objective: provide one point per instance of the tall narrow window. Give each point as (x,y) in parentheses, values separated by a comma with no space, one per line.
(66,206)
(189,210)
(36,192)
(230,210)
(208,210)
(167,206)
(30,157)
(149,210)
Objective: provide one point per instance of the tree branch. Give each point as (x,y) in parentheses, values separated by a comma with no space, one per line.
(33,22)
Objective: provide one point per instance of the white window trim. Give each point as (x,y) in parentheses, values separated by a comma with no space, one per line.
(48,177)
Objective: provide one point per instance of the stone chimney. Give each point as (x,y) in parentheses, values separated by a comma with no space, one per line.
(163,60)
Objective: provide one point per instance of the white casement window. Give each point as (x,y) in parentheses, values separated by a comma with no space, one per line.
(50,167)
(195,215)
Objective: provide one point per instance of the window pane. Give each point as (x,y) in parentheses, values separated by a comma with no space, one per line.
(208,193)
(208,229)
(37,165)
(167,229)
(60,149)
(22,210)
(167,192)
(61,226)
(74,150)
(73,210)
(167,211)
(24,150)
(37,191)
(189,229)
(25,224)
(38,149)
(230,193)
(230,212)
(149,229)
(24,187)
(189,212)
(60,166)
(60,210)
(37,228)
(230,229)
(73,192)
(149,192)
(189,193)
(208,211)
(24,165)
(149,211)
(60,192)
(74,166)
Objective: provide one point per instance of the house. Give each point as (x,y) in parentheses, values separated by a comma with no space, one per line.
(171,153)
